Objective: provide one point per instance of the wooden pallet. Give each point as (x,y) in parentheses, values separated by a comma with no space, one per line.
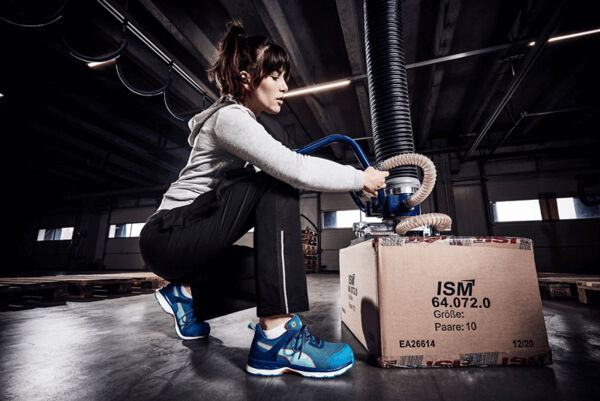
(81,286)
(589,292)
(309,231)
(562,285)
(309,249)
(311,265)
(27,291)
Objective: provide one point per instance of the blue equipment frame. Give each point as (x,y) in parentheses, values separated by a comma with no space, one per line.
(389,206)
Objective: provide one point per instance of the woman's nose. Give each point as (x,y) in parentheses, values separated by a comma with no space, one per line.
(284,87)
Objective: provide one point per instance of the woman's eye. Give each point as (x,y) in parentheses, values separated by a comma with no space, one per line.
(275,77)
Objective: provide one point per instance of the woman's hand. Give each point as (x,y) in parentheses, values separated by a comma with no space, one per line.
(374,181)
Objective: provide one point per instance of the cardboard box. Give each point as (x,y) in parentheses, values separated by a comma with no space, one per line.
(444,301)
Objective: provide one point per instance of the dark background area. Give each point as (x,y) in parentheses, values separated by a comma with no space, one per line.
(82,149)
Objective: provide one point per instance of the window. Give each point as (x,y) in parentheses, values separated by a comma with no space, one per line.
(55,234)
(519,210)
(345,218)
(545,208)
(125,230)
(573,208)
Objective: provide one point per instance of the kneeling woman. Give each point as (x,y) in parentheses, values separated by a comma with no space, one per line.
(203,213)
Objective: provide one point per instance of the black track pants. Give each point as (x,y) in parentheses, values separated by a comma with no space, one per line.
(188,244)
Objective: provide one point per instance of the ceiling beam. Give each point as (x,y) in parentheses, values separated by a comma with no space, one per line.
(69,177)
(154,139)
(486,87)
(547,100)
(151,69)
(348,16)
(530,59)
(118,12)
(187,32)
(79,176)
(128,157)
(447,21)
(111,136)
(183,29)
(106,164)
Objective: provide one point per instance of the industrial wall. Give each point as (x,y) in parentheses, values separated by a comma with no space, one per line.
(559,245)
(465,194)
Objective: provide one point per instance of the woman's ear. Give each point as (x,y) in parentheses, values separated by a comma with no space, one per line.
(245,77)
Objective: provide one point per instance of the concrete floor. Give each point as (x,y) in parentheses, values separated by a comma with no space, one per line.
(125,348)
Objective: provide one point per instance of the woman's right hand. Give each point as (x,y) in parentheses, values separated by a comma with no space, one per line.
(374,181)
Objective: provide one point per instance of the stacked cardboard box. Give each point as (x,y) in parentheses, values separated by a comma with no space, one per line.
(309,247)
(444,301)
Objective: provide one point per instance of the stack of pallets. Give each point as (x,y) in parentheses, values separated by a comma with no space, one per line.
(309,247)
(589,292)
(570,286)
(56,289)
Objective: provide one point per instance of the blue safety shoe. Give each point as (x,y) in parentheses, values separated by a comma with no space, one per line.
(298,351)
(181,308)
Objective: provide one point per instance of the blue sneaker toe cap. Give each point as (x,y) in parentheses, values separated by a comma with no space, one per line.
(341,358)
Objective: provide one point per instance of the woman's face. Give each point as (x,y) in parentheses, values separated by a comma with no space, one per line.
(268,95)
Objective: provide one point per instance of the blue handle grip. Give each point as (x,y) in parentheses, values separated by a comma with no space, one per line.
(362,158)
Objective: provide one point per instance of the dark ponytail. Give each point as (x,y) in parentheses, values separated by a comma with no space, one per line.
(254,54)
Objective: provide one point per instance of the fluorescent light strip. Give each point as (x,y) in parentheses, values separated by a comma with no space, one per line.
(95,64)
(335,84)
(317,88)
(570,36)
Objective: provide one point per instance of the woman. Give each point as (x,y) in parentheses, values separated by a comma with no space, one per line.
(218,197)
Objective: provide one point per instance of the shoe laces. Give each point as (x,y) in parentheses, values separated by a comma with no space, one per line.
(300,339)
(187,319)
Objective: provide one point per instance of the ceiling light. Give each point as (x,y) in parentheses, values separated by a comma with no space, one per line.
(570,36)
(334,84)
(101,63)
(317,88)
(1,95)
(574,35)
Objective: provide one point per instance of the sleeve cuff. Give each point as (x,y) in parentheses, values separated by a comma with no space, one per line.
(359,180)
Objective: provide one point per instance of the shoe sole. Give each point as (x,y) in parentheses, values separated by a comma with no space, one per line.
(164,304)
(315,375)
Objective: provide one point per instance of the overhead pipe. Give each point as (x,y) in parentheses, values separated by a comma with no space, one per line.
(141,92)
(457,56)
(120,17)
(54,17)
(98,59)
(529,61)
(525,115)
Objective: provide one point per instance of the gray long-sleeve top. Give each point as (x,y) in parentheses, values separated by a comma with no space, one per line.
(226,136)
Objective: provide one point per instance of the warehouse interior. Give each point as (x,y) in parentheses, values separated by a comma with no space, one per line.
(502,100)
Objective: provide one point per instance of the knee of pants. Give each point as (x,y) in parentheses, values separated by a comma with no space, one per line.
(152,246)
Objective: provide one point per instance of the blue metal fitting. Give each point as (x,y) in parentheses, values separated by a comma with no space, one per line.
(394,206)
(389,206)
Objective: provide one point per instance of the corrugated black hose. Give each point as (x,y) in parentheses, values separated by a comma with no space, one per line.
(388,88)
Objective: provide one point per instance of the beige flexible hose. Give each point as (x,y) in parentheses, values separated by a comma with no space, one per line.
(429,174)
(438,220)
